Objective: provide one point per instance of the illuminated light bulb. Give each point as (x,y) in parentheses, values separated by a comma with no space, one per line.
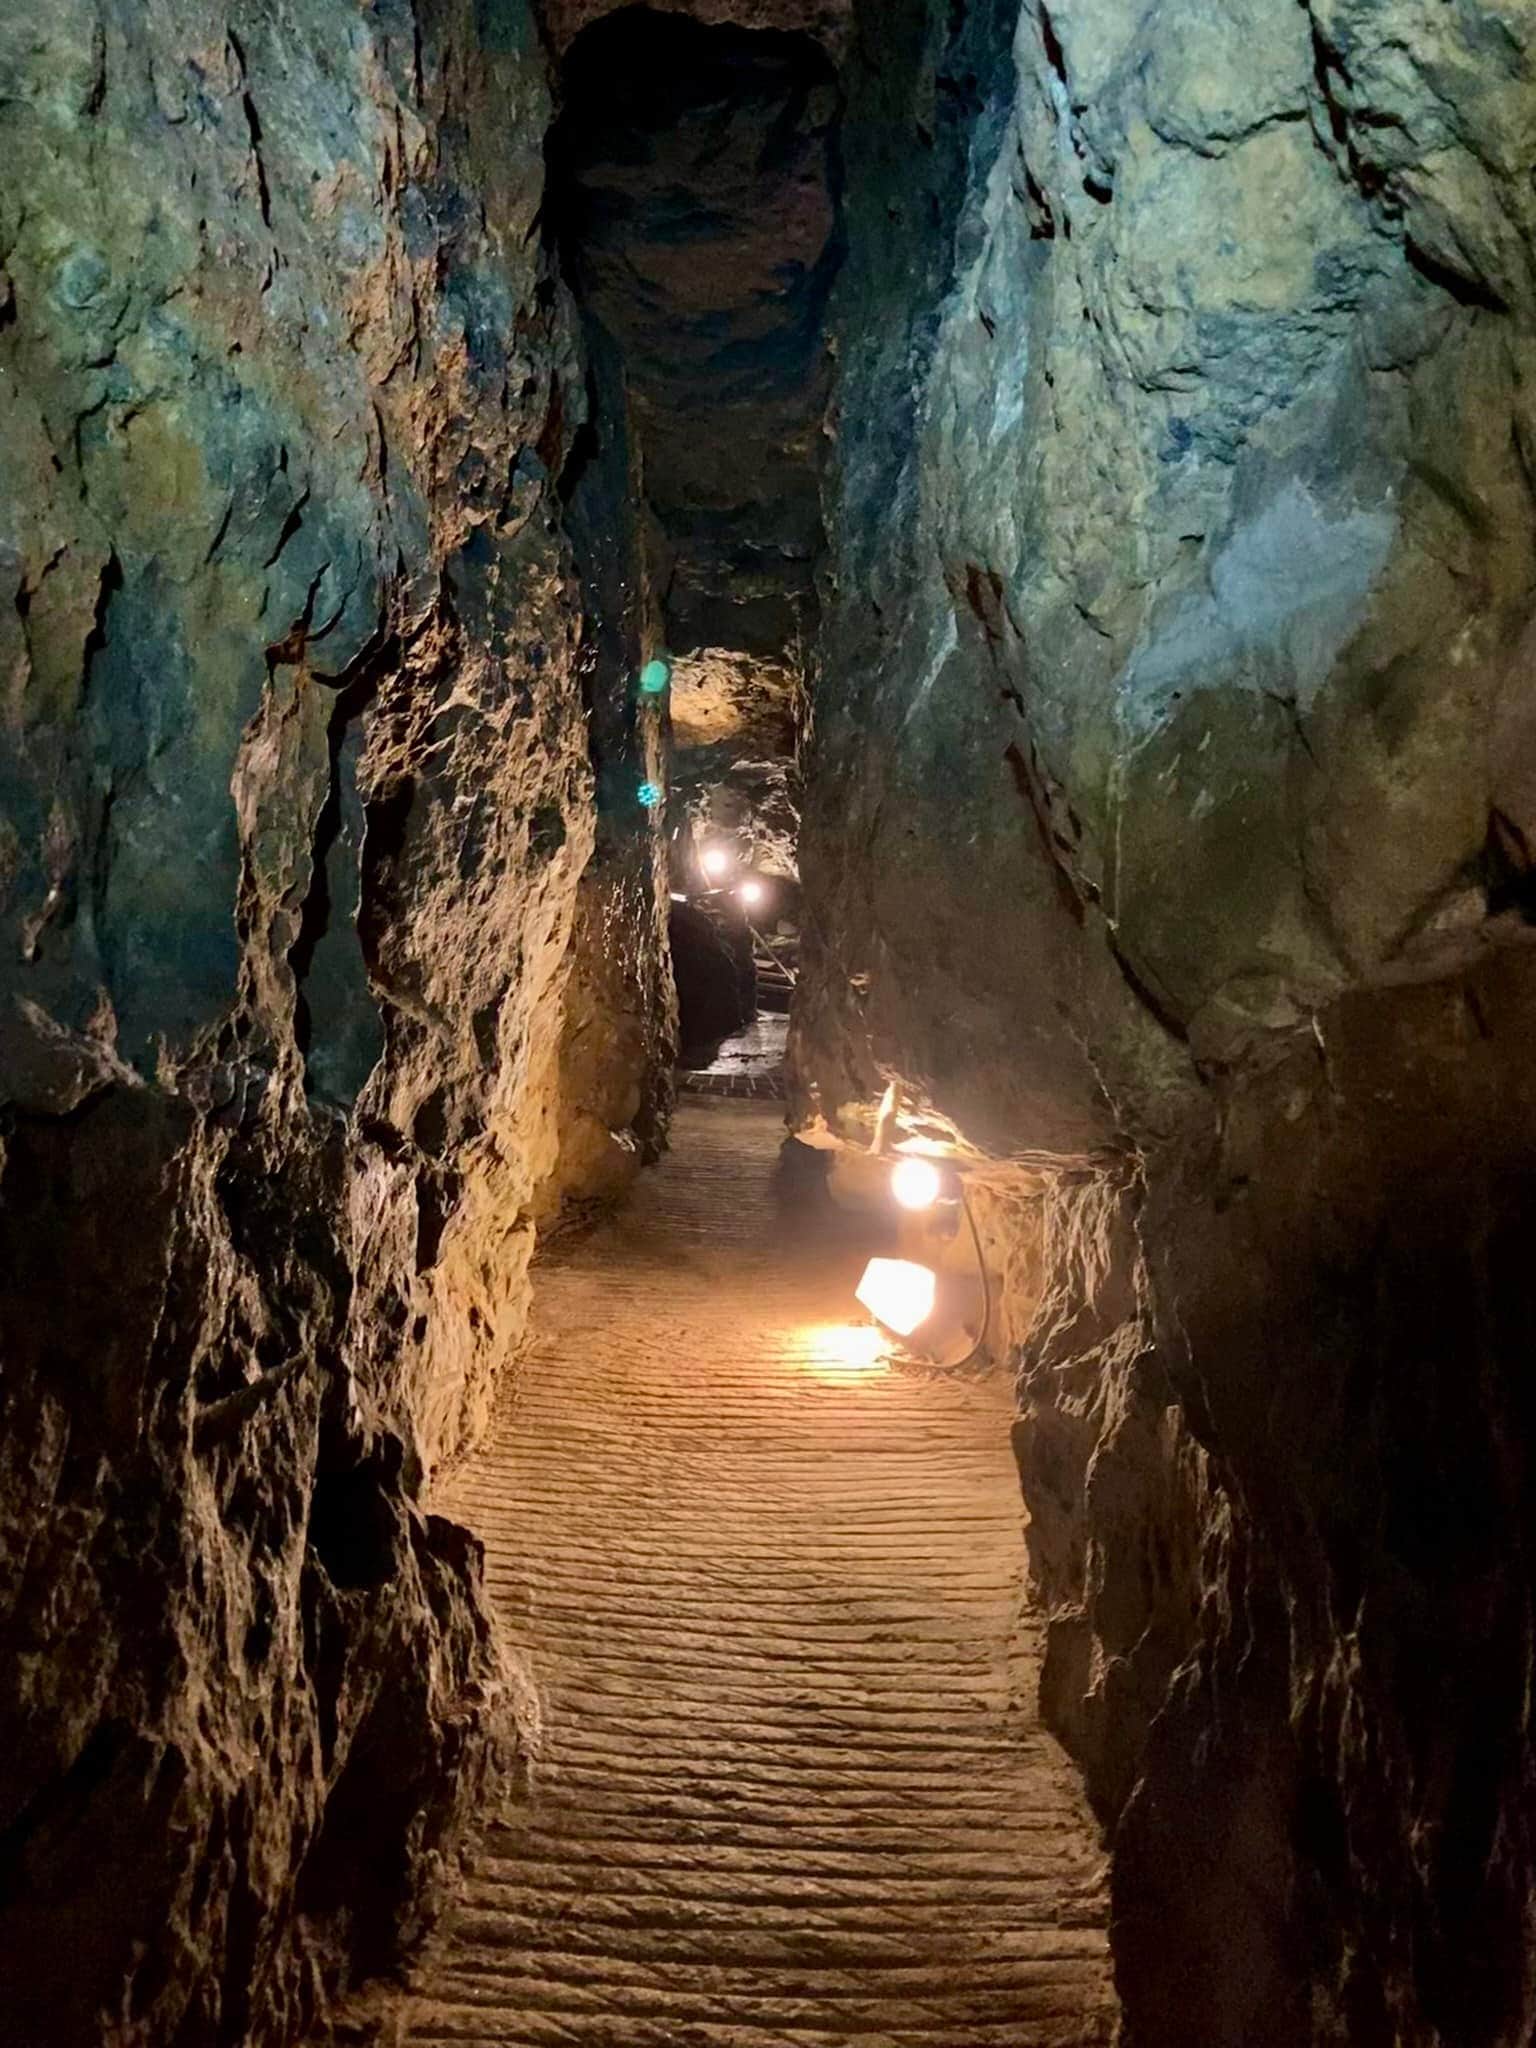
(898,1293)
(655,676)
(752,893)
(844,1352)
(916,1183)
(715,861)
(650,794)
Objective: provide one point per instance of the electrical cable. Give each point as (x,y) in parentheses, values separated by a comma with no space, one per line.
(957,1364)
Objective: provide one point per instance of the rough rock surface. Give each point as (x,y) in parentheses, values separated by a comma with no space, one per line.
(693,181)
(618,1036)
(736,722)
(716,981)
(1170,819)
(294,801)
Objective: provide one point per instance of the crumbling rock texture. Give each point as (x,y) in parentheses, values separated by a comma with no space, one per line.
(295,796)
(1168,832)
(724,700)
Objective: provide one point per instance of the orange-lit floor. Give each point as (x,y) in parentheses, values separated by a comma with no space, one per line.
(767,1587)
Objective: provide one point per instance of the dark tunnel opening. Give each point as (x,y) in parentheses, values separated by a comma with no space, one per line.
(694,203)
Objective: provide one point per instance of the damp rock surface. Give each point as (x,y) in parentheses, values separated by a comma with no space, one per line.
(618,1022)
(1167,834)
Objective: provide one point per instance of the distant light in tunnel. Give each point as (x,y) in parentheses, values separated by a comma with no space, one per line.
(898,1293)
(752,894)
(916,1183)
(651,794)
(716,861)
(655,676)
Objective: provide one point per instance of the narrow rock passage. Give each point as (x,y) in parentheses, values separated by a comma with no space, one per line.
(789,1787)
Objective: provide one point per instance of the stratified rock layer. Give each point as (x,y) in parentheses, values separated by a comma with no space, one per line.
(294,802)
(1170,819)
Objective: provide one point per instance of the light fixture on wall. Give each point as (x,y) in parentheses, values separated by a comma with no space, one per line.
(752,894)
(904,1295)
(899,1293)
(916,1182)
(717,862)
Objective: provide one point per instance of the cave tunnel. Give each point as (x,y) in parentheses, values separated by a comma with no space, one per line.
(767,1145)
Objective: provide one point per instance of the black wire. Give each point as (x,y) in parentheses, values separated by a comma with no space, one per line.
(956,1364)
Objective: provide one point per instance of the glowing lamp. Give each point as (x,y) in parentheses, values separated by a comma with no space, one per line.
(898,1293)
(752,894)
(655,676)
(715,861)
(650,794)
(916,1183)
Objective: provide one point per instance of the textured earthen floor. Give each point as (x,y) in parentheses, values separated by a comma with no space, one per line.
(750,1064)
(788,1786)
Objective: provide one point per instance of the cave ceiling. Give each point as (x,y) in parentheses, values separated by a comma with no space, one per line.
(828,21)
(694,169)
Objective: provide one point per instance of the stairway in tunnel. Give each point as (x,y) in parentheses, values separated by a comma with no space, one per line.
(786,1784)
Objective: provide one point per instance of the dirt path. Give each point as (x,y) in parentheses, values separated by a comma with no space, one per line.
(789,1788)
